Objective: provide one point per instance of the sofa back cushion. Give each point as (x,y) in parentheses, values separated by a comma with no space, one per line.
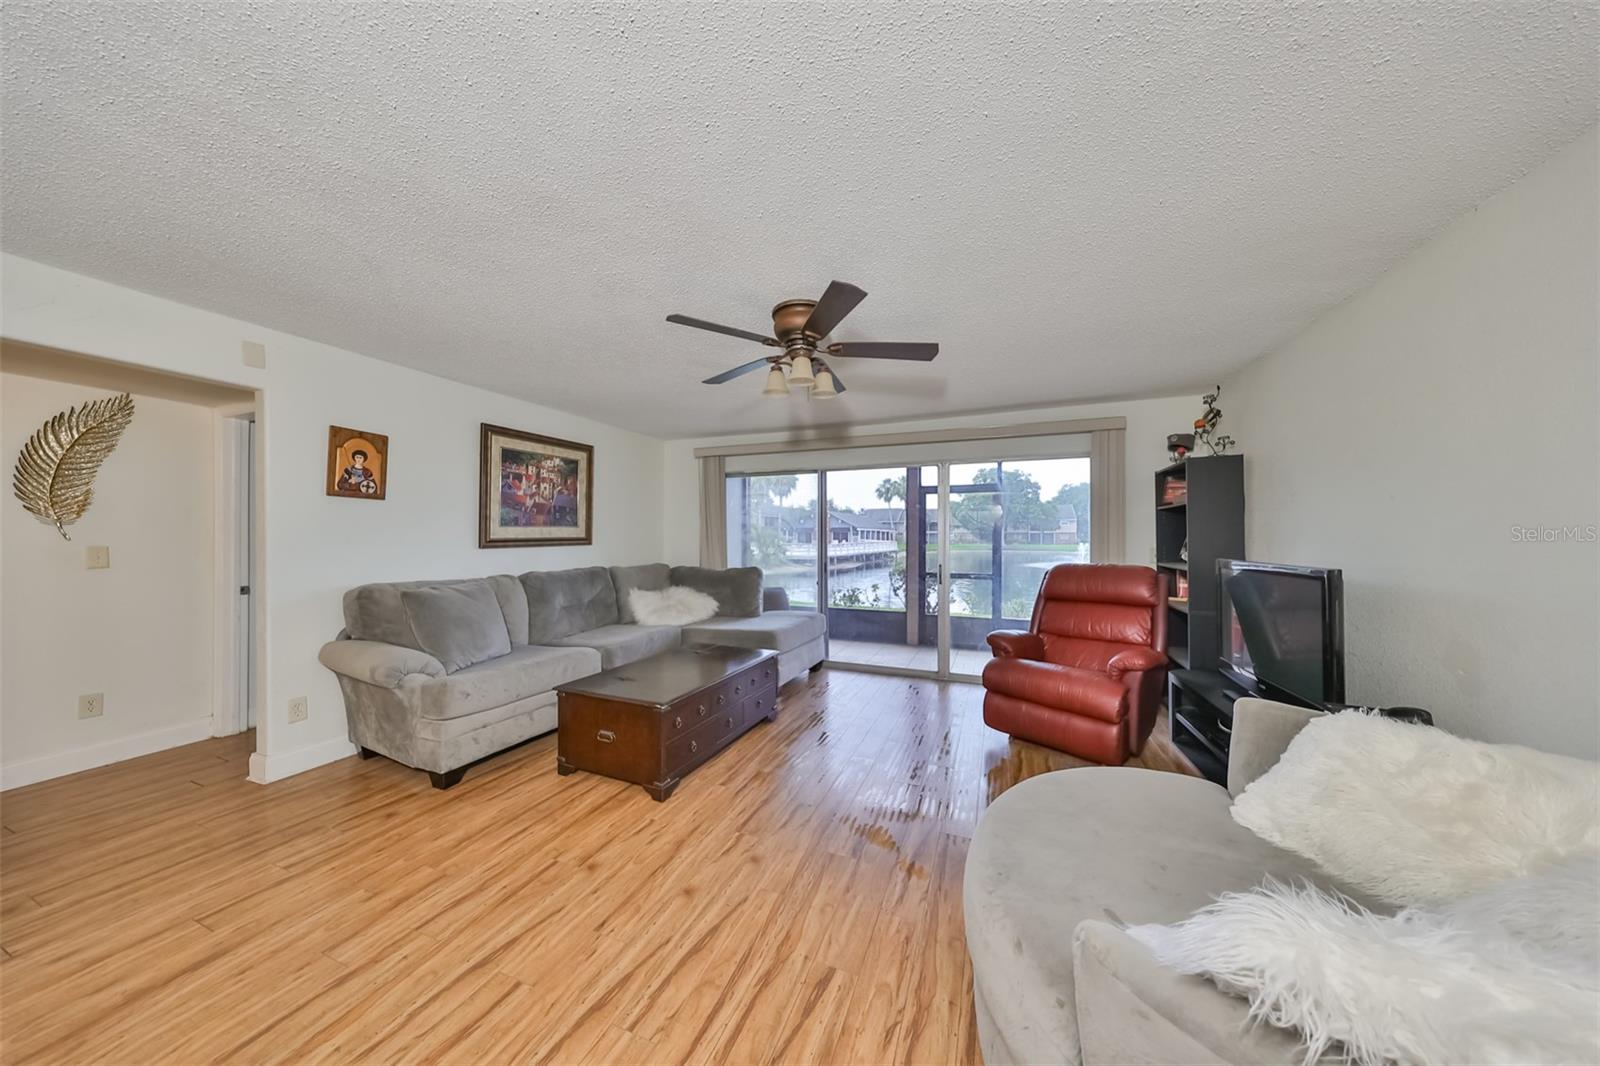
(374,612)
(460,625)
(651,577)
(736,590)
(564,602)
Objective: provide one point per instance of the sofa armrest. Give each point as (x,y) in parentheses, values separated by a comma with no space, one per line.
(1132,1009)
(1134,661)
(1262,730)
(376,663)
(1016,644)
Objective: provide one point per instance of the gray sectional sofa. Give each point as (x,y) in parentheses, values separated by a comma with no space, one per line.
(440,674)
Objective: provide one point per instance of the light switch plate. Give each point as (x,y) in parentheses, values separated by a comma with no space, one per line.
(97,557)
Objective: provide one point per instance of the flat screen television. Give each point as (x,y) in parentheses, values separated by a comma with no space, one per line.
(1283,630)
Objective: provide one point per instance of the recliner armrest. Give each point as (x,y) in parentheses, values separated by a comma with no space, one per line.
(377,663)
(1016,644)
(1135,660)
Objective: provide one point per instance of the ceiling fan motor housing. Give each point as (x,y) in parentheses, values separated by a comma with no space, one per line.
(789,322)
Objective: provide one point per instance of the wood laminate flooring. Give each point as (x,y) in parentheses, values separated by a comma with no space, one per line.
(797,900)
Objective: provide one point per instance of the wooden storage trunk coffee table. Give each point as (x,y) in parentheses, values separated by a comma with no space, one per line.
(653,721)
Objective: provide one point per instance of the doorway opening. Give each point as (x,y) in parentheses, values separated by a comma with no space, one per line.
(110,637)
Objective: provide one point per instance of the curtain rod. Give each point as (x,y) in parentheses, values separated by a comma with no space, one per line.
(926,436)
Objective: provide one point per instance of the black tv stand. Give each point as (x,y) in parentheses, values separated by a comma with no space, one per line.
(1200,716)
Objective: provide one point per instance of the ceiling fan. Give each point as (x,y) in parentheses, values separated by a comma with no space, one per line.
(800,325)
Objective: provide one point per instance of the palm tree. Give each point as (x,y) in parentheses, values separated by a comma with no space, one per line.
(891,489)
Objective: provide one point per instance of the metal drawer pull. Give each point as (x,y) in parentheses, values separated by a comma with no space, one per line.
(737,690)
(605,736)
(730,723)
(677,722)
(721,700)
(702,710)
(694,746)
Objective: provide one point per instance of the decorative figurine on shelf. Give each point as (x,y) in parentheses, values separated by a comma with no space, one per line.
(1205,427)
(1183,552)
(1179,445)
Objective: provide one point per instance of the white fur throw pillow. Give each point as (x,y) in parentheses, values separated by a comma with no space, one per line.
(671,606)
(1509,976)
(1411,814)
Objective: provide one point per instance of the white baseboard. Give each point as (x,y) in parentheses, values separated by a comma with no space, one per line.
(45,767)
(265,769)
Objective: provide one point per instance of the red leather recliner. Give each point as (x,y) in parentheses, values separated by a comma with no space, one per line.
(1087,678)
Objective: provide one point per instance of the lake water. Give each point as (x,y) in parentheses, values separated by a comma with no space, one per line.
(1022,568)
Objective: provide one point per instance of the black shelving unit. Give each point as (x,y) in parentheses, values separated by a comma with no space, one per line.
(1192,533)
(1209,520)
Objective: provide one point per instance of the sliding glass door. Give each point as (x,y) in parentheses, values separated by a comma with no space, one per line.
(772,523)
(1010,522)
(915,565)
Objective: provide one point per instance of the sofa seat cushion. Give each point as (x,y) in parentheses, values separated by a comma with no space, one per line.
(1116,844)
(775,630)
(619,645)
(527,671)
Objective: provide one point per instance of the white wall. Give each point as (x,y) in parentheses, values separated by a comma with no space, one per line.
(67,631)
(1407,433)
(1149,422)
(315,546)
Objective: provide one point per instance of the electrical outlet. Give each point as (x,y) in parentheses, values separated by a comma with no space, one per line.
(299,710)
(92,705)
(97,557)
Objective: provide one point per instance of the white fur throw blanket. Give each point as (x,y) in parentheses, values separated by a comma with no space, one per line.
(1509,975)
(674,605)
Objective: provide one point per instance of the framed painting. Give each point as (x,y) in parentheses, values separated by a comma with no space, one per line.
(358,464)
(533,490)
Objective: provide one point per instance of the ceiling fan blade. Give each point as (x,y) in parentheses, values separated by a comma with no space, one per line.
(840,299)
(884,350)
(729,375)
(700,323)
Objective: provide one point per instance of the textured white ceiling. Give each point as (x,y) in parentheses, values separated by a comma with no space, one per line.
(1075,200)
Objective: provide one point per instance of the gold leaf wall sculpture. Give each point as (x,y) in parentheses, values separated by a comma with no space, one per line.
(55,471)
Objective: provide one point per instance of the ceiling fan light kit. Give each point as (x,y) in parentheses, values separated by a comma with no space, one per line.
(776,386)
(823,388)
(799,327)
(800,370)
